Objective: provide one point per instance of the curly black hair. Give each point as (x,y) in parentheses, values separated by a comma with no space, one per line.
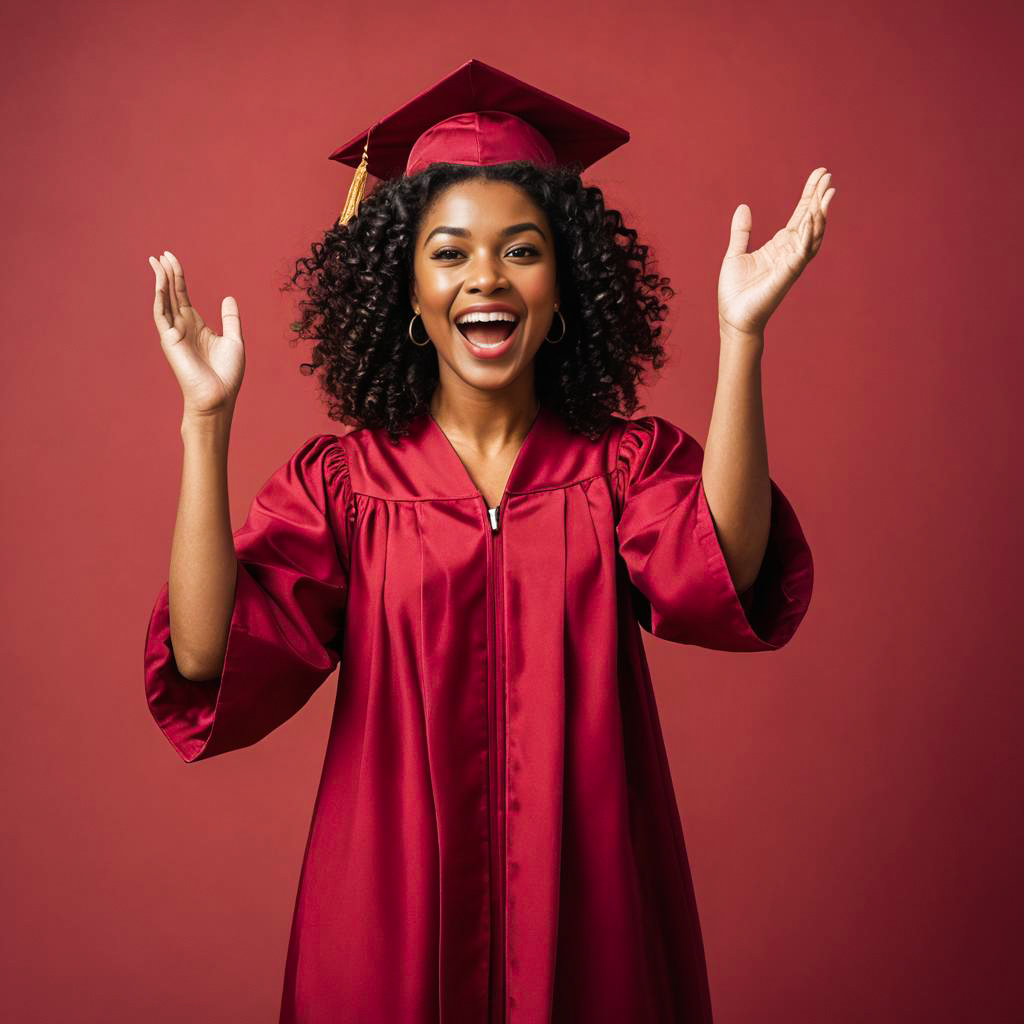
(356,308)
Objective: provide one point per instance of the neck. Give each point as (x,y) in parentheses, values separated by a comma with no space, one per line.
(485,421)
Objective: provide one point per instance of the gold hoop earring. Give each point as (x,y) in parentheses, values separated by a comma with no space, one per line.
(555,341)
(412,339)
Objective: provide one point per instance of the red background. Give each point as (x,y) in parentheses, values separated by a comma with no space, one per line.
(851,803)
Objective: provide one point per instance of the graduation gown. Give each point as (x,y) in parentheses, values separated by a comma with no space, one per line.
(495,836)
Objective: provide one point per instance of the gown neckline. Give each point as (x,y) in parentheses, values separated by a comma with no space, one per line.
(461,466)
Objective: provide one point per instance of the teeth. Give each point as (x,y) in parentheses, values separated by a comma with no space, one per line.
(483,318)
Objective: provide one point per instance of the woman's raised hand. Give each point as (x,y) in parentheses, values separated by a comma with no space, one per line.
(752,284)
(208,366)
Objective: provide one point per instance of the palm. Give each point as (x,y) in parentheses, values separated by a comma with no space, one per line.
(752,284)
(208,366)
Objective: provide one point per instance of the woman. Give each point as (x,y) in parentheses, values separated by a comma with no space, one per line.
(495,836)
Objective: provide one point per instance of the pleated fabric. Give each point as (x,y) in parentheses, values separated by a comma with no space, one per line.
(495,836)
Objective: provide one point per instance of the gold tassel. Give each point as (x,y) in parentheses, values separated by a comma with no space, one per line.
(355,190)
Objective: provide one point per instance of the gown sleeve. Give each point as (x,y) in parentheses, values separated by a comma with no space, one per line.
(284,636)
(681,587)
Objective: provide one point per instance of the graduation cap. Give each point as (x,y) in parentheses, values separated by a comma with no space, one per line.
(475,115)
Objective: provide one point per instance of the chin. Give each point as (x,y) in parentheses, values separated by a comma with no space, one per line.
(496,379)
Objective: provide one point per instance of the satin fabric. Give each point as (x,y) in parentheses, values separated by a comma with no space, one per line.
(495,835)
(480,115)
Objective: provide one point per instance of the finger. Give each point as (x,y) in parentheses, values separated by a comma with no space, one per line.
(817,218)
(179,281)
(810,187)
(739,231)
(817,232)
(823,197)
(159,300)
(823,183)
(172,299)
(231,322)
(819,221)
(815,177)
(806,233)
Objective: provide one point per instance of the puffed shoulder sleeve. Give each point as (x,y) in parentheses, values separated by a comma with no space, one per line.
(285,632)
(682,589)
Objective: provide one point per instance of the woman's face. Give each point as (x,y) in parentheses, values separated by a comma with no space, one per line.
(485,243)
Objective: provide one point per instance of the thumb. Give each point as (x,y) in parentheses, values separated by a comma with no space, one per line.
(739,232)
(231,323)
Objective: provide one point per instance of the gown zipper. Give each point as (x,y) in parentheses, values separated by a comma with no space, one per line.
(498,762)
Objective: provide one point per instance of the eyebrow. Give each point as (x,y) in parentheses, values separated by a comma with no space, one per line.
(512,229)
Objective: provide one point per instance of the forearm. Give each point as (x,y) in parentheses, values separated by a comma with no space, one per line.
(201,582)
(735,472)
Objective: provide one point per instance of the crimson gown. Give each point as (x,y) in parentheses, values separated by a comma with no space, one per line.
(495,836)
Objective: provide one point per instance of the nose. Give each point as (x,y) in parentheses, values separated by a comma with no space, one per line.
(485,275)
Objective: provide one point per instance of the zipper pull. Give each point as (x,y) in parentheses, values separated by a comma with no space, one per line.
(492,514)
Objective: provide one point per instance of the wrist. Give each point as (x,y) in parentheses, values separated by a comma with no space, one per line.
(206,425)
(736,338)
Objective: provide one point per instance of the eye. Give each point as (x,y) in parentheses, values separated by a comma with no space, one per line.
(451,254)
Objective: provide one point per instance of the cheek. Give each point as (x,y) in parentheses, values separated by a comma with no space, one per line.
(538,286)
(436,294)
(538,292)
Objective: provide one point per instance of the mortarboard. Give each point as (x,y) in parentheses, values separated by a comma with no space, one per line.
(475,115)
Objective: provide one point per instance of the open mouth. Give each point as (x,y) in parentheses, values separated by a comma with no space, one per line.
(489,334)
